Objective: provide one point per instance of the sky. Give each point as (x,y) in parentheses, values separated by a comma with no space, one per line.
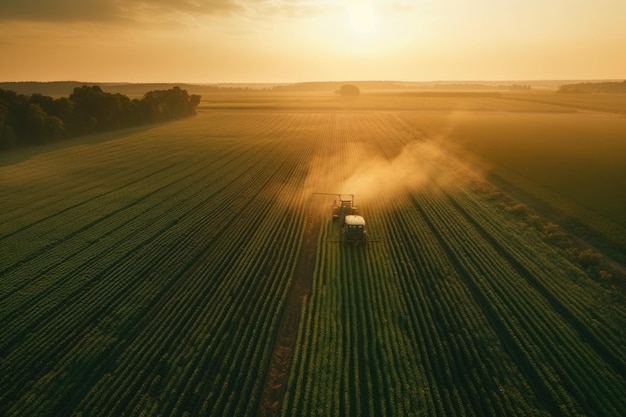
(249,41)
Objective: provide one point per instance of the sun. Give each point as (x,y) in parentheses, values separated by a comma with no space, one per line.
(358,29)
(363,16)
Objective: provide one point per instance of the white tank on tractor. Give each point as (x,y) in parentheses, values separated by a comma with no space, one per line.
(354,232)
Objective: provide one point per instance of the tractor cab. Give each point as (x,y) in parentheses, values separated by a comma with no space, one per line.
(344,206)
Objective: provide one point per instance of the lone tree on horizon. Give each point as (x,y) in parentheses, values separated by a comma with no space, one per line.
(349,90)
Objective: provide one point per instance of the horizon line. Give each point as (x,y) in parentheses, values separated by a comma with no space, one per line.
(207,83)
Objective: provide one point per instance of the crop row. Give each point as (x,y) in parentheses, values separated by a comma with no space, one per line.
(585,305)
(527,326)
(529,299)
(149,274)
(366,341)
(104,291)
(169,302)
(540,296)
(111,235)
(215,311)
(455,312)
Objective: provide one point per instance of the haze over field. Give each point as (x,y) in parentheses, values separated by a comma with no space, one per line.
(302,40)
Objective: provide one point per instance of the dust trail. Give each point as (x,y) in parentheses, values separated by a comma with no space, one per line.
(418,164)
(421,162)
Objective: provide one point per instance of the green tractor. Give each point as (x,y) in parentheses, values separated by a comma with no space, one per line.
(353,231)
(344,206)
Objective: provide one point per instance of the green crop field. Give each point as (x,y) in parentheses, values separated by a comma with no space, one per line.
(188,269)
(574,161)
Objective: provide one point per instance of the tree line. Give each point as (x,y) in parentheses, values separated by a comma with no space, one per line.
(615,87)
(38,119)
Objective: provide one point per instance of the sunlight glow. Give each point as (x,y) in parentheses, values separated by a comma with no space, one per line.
(363,15)
(298,40)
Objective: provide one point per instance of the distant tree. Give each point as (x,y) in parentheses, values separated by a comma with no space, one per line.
(95,110)
(349,90)
(614,87)
(8,140)
(38,119)
(7,135)
(17,117)
(45,102)
(194,101)
(40,127)
(61,107)
(164,105)
(87,104)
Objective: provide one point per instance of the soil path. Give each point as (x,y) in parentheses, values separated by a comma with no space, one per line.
(284,346)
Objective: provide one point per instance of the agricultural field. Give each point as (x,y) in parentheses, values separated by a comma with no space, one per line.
(573,162)
(187,269)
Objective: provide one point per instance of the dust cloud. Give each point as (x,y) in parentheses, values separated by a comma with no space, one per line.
(375,178)
(418,164)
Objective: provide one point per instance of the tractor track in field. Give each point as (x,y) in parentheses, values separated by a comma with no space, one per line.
(286,336)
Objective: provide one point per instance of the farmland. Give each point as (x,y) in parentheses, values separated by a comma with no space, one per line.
(187,269)
(572,161)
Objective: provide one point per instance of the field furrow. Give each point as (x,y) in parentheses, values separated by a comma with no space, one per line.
(194,269)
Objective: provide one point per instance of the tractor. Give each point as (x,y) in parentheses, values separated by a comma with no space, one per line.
(353,231)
